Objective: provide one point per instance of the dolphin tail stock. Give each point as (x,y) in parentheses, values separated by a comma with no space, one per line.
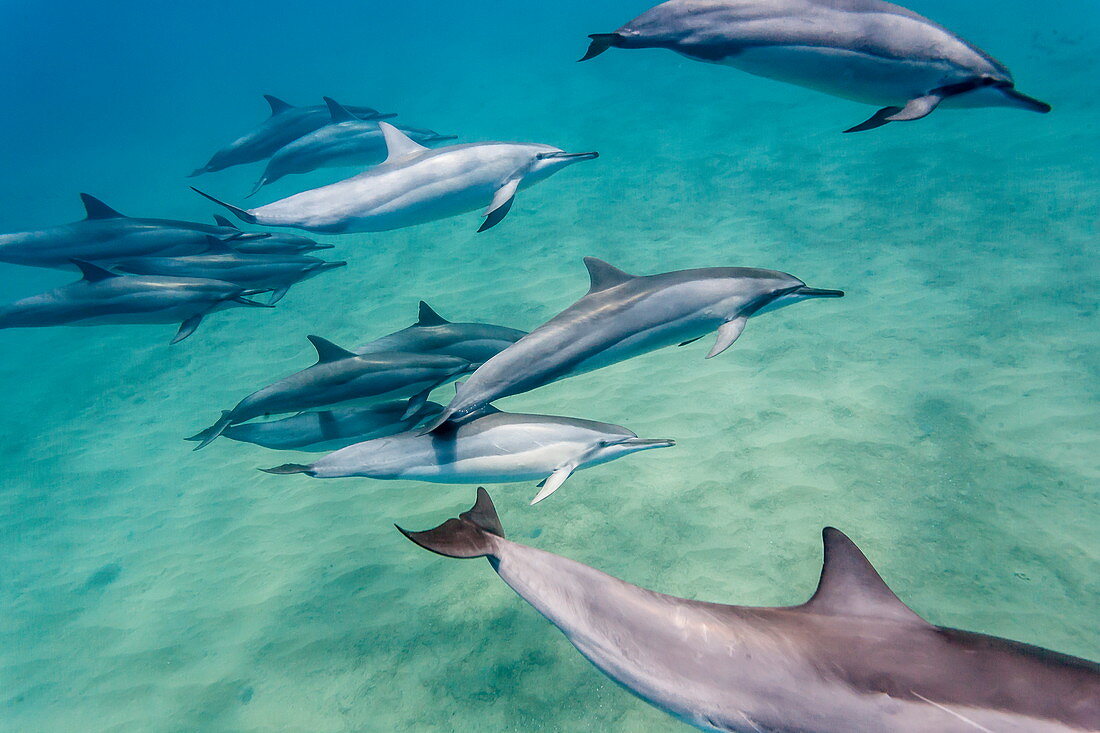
(236,211)
(600,43)
(289,468)
(206,437)
(473,533)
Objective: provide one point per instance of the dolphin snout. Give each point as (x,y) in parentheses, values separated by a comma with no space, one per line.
(569,156)
(646,443)
(326,266)
(808,292)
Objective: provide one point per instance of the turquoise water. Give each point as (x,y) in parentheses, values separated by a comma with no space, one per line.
(943,414)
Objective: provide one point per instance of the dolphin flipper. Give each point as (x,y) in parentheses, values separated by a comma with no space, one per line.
(278,295)
(187,328)
(502,203)
(415,403)
(215,430)
(728,332)
(554,482)
(916,109)
(470,535)
(878,119)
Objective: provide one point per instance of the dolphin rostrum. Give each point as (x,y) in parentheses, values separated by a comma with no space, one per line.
(273,243)
(105,234)
(495,447)
(852,659)
(276,273)
(434,334)
(104,297)
(416,185)
(624,316)
(286,124)
(864,50)
(341,376)
(329,430)
(345,141)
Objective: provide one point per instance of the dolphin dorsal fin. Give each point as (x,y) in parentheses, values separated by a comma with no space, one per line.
(428,317)
(328,351)
(277,105)
(603,275)
(398,144)
(223,222)
(338,111)
(94,273)
(96,209)
(850,585)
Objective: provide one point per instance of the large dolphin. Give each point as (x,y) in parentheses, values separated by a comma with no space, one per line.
(341,376)
(329,430)
(496,447)
(105,234)
(276,273)
(864,50)
(434,334)
(104,297)
(286,124)
(416,185)
(852,659)
(278,243)
(345,141)
(626,315)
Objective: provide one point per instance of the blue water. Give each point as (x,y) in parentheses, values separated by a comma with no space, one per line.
(943,414)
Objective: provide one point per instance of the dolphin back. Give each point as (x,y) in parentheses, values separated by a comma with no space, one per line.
(472,534)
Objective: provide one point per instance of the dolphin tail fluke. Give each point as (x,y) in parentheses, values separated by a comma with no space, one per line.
(289,468)
(236,211)
(600,43)
(206,437)
(472,534)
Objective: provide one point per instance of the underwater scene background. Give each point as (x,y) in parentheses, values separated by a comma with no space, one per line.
(943,414)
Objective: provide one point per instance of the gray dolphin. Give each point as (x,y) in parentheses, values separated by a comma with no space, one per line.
(434,334)
(416,185)
(286,124)
(104,297)
(272,243)
(853,659)
(341,376)
(495,447)
(864,50)
(347,140)
(623,316)
(276,273)
(105,234)
(330,430)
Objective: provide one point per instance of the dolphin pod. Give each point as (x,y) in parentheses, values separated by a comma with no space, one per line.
(495,447)
(415,185)
(286,124)
(104,297)
(341,376)
(852,659)
(347,140)
(865,50)
(625,315)
(105,234)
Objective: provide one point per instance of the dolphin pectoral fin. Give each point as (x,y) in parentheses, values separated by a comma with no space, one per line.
(278,295)
(215,430)
(553,483)
(415,403)
(728,332)
(689,341)
(502,203)
(878,119)
(600,43)
(187,328)
(916,109)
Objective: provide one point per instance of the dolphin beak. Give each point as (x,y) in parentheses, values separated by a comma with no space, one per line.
(808,292)
(1026,102)
(326,266)
(647,443)
(568,156)
(318,246)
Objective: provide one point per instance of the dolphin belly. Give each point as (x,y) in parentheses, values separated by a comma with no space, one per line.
(853,75)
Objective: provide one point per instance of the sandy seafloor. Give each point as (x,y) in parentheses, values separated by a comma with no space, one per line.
(944,414)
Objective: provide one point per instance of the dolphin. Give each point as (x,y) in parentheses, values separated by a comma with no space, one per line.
(495,447)
(434,334)
(104,297)
(623,316)
(331,429)
(105,234)
(865,50)
(286,124)
(852,659)
(341,376)
(345,141)
(416,185)
(276,273)
(280,243)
